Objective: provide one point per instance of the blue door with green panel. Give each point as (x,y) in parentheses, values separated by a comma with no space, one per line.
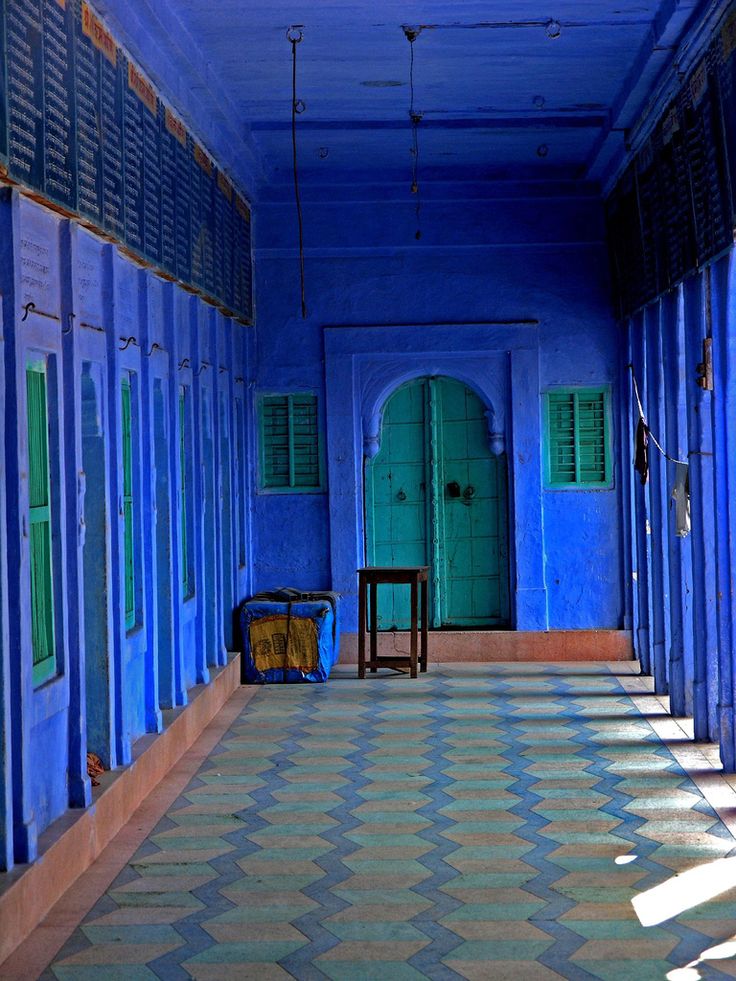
(436,496)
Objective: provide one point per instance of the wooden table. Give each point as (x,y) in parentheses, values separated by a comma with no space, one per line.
(371,577)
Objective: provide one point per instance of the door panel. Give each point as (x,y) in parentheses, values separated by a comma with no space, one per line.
(434,462)
(396,498)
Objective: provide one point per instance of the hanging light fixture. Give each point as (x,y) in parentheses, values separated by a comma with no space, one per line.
(412,33)
(294,36)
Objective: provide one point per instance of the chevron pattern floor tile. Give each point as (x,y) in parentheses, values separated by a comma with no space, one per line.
(482,821)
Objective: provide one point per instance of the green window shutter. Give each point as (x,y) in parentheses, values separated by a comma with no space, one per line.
(592,442)
(577,438)
(39,495)
(290,442)
(561,416)
(304,441)
(128,503)
(186,584)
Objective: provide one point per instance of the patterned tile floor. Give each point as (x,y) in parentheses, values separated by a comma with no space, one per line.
(483,821)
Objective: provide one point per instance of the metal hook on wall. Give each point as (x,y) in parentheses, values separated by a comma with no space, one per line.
(127,341)
(154,347)
(27,309)
(184,363)
(223,369)
(70,324)
(203,365)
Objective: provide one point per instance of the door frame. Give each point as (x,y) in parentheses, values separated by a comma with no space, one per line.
(500,363)
(436,504)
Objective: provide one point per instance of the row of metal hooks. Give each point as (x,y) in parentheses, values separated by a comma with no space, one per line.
(131,340)
(125,343)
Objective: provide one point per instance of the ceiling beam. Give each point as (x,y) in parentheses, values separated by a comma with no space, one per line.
(530,122)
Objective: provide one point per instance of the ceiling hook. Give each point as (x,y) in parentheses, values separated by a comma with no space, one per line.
(127,341)
(154,347)
(27,309)
(223,369)
(184,363)
(70,324)
(203,365)
(295,34)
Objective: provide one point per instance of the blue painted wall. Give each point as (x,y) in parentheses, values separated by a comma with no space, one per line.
(94,315)
(485,255)
(683,586)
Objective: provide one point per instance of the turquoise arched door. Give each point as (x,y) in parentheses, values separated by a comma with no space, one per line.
(436,496)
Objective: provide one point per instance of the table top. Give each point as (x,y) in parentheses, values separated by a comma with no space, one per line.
(404,573)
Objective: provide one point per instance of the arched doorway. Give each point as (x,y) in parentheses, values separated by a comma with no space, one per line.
(435,495)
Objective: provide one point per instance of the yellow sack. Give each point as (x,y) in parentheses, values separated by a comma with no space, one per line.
(268,643)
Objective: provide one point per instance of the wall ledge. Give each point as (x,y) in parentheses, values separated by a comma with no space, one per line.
(72,843)
(446,646)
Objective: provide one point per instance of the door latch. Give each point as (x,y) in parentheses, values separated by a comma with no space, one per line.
(453,489)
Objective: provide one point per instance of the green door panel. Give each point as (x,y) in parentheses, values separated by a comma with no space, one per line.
(396,498)
(434,436)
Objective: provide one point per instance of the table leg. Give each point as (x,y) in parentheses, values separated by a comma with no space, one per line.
(374,627)
(414,605)
(361,627)
(425,626)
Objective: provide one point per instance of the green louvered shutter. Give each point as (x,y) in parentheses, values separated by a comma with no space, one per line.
(592,442)
(290,442)
(561,416)
(128,504)
(39,501)
(186,584)
(577,438)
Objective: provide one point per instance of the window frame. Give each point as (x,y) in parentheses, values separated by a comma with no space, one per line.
(47,667)
(291,487)
(577,391)
(131,544)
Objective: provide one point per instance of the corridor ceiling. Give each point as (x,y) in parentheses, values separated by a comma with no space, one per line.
(506,89)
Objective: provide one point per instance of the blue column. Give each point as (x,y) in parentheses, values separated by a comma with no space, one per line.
(724,433)
(528,514)
(153,720)
(659,472)
(680,560)
(6,770)
(641,518)
(172,341)
(202,409)
(702,489)
(80,788)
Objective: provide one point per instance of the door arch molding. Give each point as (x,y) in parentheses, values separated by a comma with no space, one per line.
(376,402)
(380,388)
(363,365)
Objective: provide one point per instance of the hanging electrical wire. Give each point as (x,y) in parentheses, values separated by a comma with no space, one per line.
(412,34)
(644,425)
(295,35)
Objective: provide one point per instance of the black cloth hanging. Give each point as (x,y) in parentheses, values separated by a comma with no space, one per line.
(641,458)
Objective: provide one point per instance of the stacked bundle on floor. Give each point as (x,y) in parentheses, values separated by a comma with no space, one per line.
(289,636)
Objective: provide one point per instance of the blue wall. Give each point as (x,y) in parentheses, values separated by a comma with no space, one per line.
(94,315)
(486,255)
(683,586)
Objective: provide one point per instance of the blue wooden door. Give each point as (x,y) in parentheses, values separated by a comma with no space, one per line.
(436,496)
